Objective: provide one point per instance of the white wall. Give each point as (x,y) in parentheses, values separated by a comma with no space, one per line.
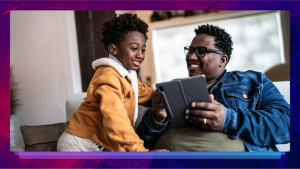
(44,56)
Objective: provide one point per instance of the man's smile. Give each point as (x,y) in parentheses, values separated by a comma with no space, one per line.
(193,65)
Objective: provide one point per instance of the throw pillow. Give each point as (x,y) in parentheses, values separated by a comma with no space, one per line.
(43,137)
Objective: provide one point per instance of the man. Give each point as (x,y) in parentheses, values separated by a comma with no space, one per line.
(246,112)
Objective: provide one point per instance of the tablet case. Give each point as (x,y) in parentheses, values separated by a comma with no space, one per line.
(178,95)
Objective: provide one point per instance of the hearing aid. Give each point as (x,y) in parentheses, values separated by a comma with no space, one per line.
(111,44)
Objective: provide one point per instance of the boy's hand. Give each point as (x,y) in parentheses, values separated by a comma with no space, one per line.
(159,111)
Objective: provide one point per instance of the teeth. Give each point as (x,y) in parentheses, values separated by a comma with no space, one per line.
(194,65)
(136,63)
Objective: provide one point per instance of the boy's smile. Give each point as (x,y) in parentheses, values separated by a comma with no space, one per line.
(131,51)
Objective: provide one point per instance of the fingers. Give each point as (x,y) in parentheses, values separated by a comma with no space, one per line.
(155,93)
(214,118)
(212,105)
(200,113)
(211,98)
(160,115)
(159,111)
(202,122)
(204,105)
(155,98)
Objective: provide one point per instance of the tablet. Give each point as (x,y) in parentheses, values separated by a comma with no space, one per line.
(178,95)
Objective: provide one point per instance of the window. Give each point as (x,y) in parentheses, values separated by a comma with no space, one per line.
(257,43)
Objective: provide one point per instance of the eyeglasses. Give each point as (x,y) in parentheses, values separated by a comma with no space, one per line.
(200,51)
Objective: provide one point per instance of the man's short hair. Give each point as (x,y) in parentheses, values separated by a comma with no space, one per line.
(222,38)
(115,30)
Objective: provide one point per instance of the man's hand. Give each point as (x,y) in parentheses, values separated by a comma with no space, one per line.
(213,112)
(159,111)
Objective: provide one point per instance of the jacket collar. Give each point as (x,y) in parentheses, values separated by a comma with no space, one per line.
(112,63)
(115,59)
(228,77)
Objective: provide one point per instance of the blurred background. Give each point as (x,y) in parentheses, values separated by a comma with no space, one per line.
(52,51)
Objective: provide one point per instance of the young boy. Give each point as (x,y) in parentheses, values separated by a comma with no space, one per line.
(107,116)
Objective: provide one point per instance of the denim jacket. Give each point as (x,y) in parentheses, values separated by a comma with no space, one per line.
(255,111)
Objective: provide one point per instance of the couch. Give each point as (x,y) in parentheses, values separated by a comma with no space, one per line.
(48,135)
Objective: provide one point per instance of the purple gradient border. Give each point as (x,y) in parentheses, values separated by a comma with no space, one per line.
(144,160)
(147,155)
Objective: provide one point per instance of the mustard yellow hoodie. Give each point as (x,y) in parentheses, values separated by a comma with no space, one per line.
(108,113)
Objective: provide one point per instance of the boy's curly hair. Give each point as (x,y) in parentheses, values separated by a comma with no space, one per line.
(115,30)
(222,38)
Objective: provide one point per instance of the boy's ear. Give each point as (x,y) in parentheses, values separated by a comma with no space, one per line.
(223,60)
(112,49)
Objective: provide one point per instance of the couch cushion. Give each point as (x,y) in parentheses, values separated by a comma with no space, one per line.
(52,146)
(284,88)
(141,113)
(43,137)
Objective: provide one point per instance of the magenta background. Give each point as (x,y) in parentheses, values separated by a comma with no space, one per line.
(9,159)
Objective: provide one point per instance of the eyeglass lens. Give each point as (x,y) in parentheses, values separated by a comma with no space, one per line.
(199,51)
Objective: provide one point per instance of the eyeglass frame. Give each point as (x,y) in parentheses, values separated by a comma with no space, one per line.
(206,50)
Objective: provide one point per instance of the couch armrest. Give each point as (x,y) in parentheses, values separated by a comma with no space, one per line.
(20,147)
(283,147)
(284,88)
(73,103)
